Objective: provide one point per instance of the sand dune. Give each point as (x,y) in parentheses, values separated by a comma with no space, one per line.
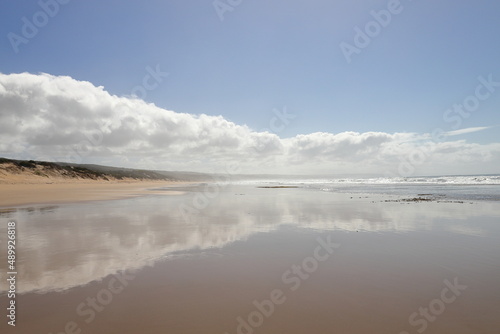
(36,182)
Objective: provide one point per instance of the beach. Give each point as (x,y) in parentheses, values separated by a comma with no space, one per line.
(223,258)
(40,184)
(246,167)
(76,191)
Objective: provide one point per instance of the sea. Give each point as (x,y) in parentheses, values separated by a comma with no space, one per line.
(446,187)
(280,255)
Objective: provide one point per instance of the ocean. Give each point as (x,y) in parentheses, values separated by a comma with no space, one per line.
(263,256)
(459,187)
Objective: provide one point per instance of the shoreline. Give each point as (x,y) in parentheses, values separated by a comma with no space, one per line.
(19,194)
(149,251)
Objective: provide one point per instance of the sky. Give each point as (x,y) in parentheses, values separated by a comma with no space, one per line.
(399,88)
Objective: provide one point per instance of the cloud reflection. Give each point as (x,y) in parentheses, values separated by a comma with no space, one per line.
(72,245)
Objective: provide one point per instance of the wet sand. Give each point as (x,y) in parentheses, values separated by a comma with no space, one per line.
(257,261)
(74,191)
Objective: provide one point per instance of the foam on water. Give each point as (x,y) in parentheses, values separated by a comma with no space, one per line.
(465,187)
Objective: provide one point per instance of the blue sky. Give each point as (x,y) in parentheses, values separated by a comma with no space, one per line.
(267,55)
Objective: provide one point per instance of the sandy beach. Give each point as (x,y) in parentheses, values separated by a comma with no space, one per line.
(77,191)
(249,167)
(49,185)
(261,260)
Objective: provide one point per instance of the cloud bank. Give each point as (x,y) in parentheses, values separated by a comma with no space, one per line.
(58,118)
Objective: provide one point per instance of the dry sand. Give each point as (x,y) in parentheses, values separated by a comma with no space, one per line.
(15,194)
(21,186)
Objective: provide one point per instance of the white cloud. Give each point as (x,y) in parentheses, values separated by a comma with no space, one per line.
(58,118)
(467,130)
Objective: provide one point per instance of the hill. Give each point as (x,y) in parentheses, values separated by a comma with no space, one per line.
(30,171)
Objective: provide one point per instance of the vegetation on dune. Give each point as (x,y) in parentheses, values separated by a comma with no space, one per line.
(47,169)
